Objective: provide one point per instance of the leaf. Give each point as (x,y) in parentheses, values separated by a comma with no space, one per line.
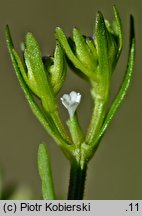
(92,49)
(44,169)
(101,45)
(118,29)
(37,75)
(104,66)
(58,69)
(83,53)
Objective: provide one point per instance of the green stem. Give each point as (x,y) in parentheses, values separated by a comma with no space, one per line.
(77,181)
(57,121)
(75,130)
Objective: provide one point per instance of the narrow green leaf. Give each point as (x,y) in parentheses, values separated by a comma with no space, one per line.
(97,119)
(118,29)
(58,69)
(35,60)
(83,53)
(20,65)
(64,43)
(37,74)
(44,169)
(113,46)
(101,44)
(123,88)
(104,66)
(30,81)
(92,49)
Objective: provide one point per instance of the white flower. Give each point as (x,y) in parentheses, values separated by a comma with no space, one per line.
(71,102)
